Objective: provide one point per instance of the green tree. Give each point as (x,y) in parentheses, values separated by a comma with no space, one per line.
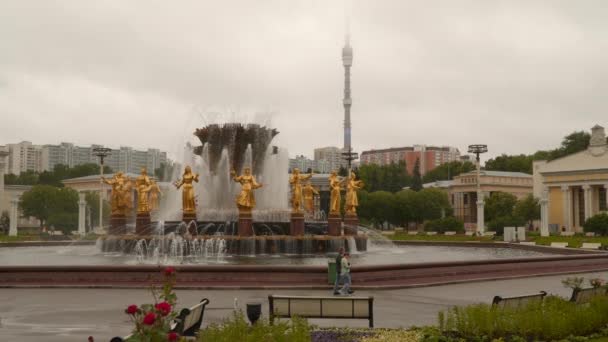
(448,171)
(597,224)
(499,204)
(51,205)
(405,201)
(516,163)
(165,172)
(528,209)
(416,178)
(5,222)
(343,172)
(24,178)
(92,199)
(430,204)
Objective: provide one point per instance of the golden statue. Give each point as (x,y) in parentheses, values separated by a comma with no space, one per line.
(352,202)
(143,186)
(245,201)
(309,192)
(120,200)
(335,186)
(296,191)
(188,202)
(155,193)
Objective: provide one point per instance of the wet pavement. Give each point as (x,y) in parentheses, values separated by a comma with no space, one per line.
(65,315)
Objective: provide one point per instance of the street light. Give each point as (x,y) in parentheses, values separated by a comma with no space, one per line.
(101,152)
(477,150)
(349,156)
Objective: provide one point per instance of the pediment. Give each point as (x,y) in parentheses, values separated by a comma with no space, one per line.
(594,158)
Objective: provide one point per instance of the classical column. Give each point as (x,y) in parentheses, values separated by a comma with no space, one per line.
(81,213)
(587,199)
(481,224)
(567,207)
(544,213)
(606,192)
(14,216)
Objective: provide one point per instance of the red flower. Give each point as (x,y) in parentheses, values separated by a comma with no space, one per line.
(132,309)
(164,308)
(169,271)
(172,336)
(149,319)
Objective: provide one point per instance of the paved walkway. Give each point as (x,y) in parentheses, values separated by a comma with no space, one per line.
(63,315)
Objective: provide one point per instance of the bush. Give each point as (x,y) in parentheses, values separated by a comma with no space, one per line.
(445,224)
(597,224)
(552,319)
(237,329)
(498,224)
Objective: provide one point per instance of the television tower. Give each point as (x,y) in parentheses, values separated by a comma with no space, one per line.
(347,62)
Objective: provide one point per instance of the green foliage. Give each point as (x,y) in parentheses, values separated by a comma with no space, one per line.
(25,178)
(498,224)
(448,171)
(391,178)
(5,222)
(164,172)
(527,209)
(92,199)
(597,224)
(552,319)
(516,163)
(416,178)
(236,328)
(59,173)
(499,204)
(445,224)
(45,201)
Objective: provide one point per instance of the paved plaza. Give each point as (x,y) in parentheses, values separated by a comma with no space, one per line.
(74,314)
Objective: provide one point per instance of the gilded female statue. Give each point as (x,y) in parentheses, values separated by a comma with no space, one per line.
(155,193)
(188,202)
(296,191)
(245,201)
(309,192)
(115,198)
(335,186)
(143,186)
(352,202)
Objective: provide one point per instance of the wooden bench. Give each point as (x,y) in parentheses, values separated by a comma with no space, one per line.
(582,296)
(187,323)
(517,301)
(321,307)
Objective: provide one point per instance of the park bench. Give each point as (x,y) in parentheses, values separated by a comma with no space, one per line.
(517,301)
(187,323)
(321,307)
(559,244)
(582,296)
(591,245)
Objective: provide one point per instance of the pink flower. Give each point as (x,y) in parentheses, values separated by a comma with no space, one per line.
(149,319)
(163,308)
(169,271)
(172,336)
(132,309)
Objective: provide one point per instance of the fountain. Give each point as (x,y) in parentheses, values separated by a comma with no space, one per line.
(216,218)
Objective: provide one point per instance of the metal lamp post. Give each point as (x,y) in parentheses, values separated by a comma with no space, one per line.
(349,156)
(101,152)
(477,150)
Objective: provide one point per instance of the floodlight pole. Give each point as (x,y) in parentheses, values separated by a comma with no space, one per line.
(101,152)
(477,150)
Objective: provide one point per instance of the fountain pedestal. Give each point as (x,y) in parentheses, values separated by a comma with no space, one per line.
(142,223)
(245,223)
(118,224)
(351,221)
(297,224)
(334,224)
(188,217)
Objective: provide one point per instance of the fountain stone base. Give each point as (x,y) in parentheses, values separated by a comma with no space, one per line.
(142,223)
(296,227)
(245,225)
(334,224)
(351,221)
(188,217)
(118,224)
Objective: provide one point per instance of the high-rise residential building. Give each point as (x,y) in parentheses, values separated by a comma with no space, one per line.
(304,164)
(24,157)
(333,156)
(429,157)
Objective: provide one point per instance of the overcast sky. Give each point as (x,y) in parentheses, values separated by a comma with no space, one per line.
(516,75)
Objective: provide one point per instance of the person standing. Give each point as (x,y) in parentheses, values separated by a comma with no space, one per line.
(346,277)
(338,270)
